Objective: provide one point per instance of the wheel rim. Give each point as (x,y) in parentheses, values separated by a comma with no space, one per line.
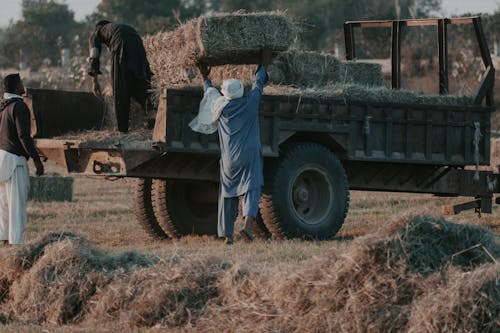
(311,195)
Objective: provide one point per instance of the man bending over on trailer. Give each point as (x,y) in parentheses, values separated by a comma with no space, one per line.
(131,75)
(241,155)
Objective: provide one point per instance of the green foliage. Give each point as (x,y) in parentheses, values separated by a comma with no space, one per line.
(323,19)
(45,27)
(148,16)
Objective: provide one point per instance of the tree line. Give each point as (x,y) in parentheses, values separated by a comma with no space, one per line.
(47,26)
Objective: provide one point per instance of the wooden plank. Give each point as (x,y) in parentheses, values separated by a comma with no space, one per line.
(388,133)
(409,135)
(468,140)
(448,136)
(428,136)
(396,55)
(185,131)
(350,49)
(410,23)
(443,56)
(485,87)
(160,130)
(483,44)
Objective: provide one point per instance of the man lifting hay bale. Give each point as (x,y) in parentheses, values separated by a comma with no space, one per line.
(241,174)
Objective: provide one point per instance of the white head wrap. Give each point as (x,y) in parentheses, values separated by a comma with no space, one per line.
(232,89)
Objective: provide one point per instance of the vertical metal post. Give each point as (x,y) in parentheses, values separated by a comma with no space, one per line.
(488,63)
(396,55)
(443,56)
(350,48)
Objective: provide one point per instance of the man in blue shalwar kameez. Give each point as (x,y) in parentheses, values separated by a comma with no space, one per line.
(241,155)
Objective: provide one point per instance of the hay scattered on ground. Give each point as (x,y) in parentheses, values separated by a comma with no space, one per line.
(464,302)
(418,274)
(165,295)
(374,285)
(51,279)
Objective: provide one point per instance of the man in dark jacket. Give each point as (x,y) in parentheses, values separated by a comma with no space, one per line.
(131,75)
(16,147)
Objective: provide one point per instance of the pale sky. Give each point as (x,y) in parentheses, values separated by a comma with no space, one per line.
(11,9)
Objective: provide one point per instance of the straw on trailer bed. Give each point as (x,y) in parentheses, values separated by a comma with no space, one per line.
(355,93)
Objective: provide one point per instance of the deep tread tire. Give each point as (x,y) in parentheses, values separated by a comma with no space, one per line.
(305,163)
(177,214)
(143,209)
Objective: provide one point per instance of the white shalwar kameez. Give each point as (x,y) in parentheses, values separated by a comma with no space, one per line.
(14,186)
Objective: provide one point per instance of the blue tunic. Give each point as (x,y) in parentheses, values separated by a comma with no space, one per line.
(239,139)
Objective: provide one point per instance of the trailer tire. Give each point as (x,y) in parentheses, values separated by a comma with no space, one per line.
(306,193)
(178,214)
(143,210)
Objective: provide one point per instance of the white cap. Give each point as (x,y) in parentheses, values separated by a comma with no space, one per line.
(232,89)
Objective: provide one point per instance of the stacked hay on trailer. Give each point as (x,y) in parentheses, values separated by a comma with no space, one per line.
(293,67)
(219,39)
(230,43)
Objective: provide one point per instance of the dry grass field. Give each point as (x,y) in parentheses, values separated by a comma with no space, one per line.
(197,278)
(102,213)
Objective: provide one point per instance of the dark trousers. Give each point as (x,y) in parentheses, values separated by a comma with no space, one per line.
(126,86)
(228,211)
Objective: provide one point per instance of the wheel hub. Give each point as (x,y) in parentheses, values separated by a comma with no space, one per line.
(301,194)
(312,195)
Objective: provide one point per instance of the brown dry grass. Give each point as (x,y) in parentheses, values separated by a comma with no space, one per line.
(376,282)
(380,282)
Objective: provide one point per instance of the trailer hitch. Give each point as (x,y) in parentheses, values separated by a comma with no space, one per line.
(480,205)
(100,168)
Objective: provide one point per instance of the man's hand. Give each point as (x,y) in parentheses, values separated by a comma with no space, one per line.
(94,65)
(204,69)
(266,56)
(96,88)
(39,167)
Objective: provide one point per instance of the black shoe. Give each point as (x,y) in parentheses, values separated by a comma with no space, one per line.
(229,241)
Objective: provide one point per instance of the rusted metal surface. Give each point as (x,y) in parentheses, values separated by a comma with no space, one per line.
(383,146)
(57,112)
(485,90)
(433,135)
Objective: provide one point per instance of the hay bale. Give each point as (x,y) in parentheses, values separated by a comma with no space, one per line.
(234,38)
(362,73)
(218,39)
(51,187)
(305,68)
